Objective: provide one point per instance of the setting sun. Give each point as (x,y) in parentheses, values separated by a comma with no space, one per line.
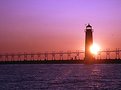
(94,49)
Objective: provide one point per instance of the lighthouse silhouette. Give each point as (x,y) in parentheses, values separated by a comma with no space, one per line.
(88,42)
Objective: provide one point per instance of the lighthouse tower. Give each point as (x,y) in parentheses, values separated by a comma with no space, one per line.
(88,42)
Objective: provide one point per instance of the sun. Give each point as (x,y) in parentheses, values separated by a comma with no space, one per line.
(94,49)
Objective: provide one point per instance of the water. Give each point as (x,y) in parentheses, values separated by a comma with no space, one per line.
(60,77)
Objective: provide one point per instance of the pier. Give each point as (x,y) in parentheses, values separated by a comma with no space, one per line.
(111,56)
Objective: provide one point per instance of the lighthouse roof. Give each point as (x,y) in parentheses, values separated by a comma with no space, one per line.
(88,25)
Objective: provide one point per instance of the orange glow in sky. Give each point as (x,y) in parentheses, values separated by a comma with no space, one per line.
(52,25)
(94,49)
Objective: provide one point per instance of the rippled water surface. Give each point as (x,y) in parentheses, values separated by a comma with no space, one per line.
(60,77)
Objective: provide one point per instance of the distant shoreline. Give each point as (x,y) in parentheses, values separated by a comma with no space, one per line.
(103,61)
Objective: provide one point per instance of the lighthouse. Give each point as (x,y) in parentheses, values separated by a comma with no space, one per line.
(88,42)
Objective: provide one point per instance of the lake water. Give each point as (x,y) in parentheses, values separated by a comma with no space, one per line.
(60,77)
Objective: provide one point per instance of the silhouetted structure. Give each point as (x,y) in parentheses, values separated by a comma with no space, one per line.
(69,57)
(88,43)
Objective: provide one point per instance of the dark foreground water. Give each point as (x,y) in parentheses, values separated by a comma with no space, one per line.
(60,77)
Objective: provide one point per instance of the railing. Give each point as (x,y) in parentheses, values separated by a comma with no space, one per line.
(69,55)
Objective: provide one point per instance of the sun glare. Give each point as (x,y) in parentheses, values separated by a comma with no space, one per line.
(94,49)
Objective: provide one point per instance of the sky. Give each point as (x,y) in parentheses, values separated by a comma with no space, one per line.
(58,25)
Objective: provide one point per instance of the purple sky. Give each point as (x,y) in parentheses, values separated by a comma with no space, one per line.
(46,25)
